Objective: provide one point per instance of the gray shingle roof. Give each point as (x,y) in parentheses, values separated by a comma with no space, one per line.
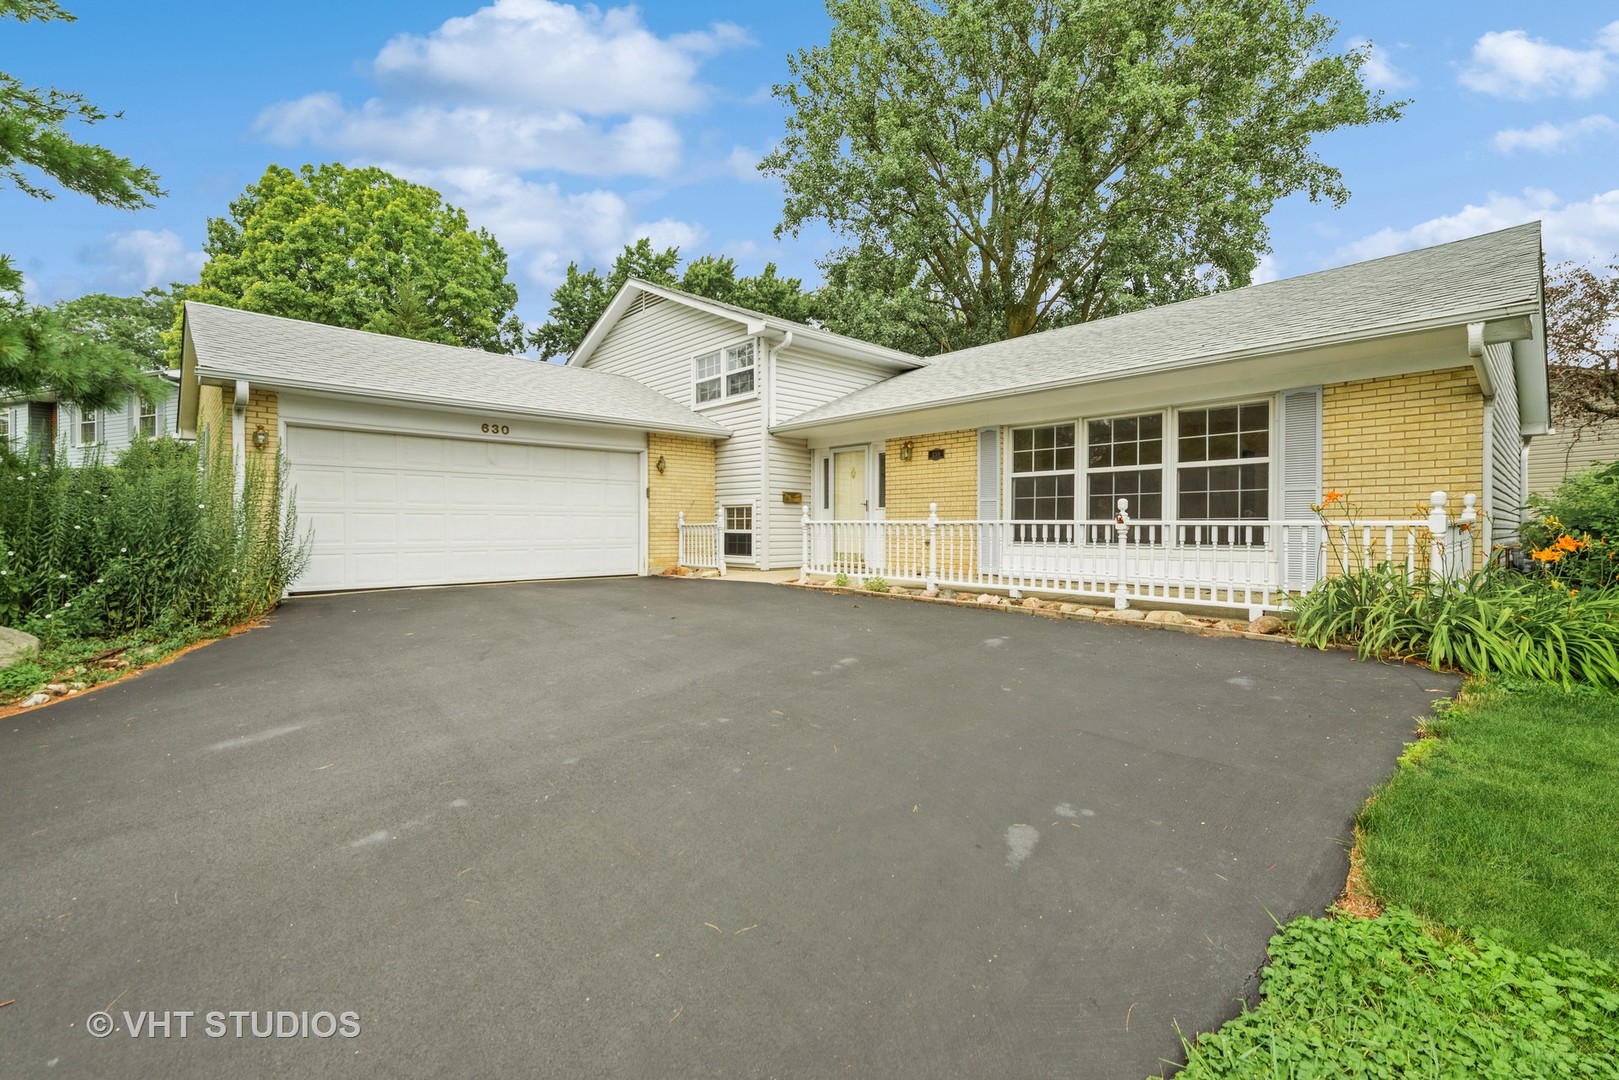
(293,354)
(1496,272)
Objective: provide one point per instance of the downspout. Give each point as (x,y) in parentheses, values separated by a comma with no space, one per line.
(767,416)
(1486,384)
(238,434)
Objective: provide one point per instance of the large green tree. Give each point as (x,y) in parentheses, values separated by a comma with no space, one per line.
(40,353)
(336,245)
(1040,162)
(135,324)
(584,294)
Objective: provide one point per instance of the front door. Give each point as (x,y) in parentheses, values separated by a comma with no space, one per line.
(856,542)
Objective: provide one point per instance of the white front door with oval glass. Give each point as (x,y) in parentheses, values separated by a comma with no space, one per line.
(857,541)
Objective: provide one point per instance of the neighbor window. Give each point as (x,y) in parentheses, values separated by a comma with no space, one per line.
(1124,459)
(1042,476)
(1224,472)
(89,427)
(146,419)
(739,531)
(724,373)
(5,426)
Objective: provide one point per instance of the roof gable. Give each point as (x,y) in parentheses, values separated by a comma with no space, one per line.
(635,293)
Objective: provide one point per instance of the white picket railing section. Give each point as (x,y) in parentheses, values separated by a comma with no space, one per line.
(700,545)
(1252,565)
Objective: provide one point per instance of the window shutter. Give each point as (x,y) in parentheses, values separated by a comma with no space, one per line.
(1301,486)
(989,496)
(989,474)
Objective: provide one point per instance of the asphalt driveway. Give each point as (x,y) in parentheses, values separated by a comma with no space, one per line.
(672,828)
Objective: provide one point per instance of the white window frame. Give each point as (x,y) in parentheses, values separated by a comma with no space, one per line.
(5,426)
(728,530)
(1166,423)
(1268,403)
(93,419)
(1028,532)
(721,368)
(142,416)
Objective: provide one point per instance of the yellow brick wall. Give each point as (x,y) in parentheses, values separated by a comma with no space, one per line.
(1388,443)
(952,482)
(262,410)
(686,484)
(210,414)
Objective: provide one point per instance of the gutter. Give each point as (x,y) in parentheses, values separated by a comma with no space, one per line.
(229,377)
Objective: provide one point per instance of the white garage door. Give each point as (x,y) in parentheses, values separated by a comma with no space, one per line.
(416,510)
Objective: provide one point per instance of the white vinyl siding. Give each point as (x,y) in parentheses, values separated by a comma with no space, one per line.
(655,347)
(1503,489)
(1552,457)
(805,380)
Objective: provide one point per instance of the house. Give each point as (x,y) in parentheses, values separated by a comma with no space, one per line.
(1220,422)
(1567,450)
(78,435)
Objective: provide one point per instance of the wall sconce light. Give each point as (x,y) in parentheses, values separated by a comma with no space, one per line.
(905,451)
(662,464)
(261,438)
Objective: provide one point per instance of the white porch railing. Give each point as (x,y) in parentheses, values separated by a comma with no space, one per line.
(1250,564)
(701,546)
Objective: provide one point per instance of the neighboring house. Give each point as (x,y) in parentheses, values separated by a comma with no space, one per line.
(77,435)
(1222,420)
(1568,450)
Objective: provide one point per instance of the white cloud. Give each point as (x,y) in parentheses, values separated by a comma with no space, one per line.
(1512,64)
(546,228)
(1549,138)
(1379,69)
(743,164)
(127,262)
(582,59)
(1269,269)
(477,135)
(1581,231)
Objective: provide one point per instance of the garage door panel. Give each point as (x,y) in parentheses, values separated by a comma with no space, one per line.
(389,509)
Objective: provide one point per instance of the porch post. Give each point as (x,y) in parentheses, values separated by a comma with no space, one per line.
(719,538)
(680,549)
(1121,524)
(1438,532)
(804,533)
(933,546)
(1465,538)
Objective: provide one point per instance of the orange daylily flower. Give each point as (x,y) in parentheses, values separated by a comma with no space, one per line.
(1333,496)
(1568,543)
(1546,555)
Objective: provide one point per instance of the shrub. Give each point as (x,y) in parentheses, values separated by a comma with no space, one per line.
(159,540)
(1492,621)
(1383,997)
(1574,531)
(876,584)
(841,580)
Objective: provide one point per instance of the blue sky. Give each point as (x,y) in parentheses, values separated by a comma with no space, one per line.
(569,131)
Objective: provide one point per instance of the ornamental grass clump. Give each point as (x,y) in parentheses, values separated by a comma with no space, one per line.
(160,540)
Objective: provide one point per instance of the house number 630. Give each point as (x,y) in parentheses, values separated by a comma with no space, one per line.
(495,429)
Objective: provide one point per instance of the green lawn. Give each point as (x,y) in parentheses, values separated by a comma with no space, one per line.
(1508,821)
(1496,848)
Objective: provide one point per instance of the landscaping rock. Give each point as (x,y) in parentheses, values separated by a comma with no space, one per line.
(1032,603)
(16,645)
(56,689)
(1266,624)
(933,594)
(947,594)
(1126,615)
(709,574)
(987,599)
(35,699)
(1172,617)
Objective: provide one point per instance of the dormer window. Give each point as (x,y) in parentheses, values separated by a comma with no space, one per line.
(724,373)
